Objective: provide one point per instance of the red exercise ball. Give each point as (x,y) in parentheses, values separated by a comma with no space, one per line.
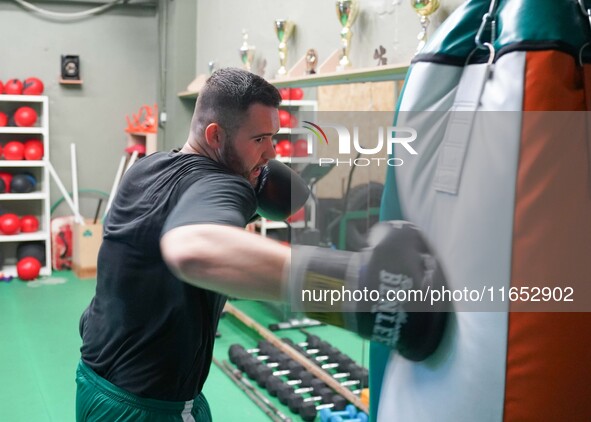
(25,116)
(284,92)
(9,224)
(29,224)
(13,87)
(1,88)
(14,150)
(7,179)
(284,147)
(3,119)
(300,148)
(28,268)
(33,149)
(279,150)
(286,119)
(33,86)
(296,93)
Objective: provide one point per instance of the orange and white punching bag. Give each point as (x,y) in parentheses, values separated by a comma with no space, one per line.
(501,186)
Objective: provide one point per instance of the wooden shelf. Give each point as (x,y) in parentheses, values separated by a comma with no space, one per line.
(70,81)
(188,94)
(393,72)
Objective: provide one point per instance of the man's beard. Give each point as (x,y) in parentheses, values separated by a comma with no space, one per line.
(232,161)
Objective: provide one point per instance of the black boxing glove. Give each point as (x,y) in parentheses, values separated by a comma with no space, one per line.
(388,284)
(280,191)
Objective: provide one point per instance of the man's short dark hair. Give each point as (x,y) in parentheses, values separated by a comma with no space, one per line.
(227,95)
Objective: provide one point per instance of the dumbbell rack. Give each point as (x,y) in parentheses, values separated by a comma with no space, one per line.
(34,203)
(294,386)
(322,390)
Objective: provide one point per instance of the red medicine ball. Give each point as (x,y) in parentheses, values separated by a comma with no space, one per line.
(25,116)
(3,119)
(285,148)
(14,150)
(300,148)
(29,224)
(33,149)
(13,87)
(284,92)
(7,179)
(286,119)
(296,93)
(33,86)
(28,268)
(9,224)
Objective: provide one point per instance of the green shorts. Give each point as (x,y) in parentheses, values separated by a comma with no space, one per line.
(99,400)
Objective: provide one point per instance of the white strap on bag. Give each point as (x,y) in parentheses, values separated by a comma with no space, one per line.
(459,128)
(463,111)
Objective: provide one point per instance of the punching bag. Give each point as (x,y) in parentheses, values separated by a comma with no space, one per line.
(501,186)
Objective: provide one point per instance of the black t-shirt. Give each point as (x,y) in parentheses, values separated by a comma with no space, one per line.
(145,330)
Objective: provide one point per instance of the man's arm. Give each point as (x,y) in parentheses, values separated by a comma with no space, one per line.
(227,260)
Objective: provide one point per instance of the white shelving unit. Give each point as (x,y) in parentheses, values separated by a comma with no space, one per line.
(35,203)
(293,106)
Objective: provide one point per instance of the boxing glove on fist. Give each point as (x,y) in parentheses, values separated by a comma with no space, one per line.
(280,191)
(374,292)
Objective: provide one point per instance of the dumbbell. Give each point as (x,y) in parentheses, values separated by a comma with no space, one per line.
(327,415)
(237,350)
(273,383)
(312,347)
(345,364)
(319,384)
(349,383)
(323,358)
(296,401)
(242,357)
(309,409)
(260,373)
(334,355)
(353,371)
(316,342)
(285,391)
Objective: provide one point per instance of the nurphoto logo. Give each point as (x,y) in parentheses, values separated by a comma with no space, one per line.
(389,136)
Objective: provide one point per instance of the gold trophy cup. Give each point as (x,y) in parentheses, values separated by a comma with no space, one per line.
(347,11)
(424,8)
(246,52)
(284,30)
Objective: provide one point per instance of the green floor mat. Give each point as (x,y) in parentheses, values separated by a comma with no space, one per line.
(40,348)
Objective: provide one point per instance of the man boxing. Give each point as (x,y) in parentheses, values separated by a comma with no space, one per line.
(174,247)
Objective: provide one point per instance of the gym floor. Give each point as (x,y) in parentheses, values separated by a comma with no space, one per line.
(40,350)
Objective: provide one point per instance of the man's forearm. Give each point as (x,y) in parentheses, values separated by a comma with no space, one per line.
(227,260)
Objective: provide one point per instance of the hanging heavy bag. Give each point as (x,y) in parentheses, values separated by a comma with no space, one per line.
(501,188)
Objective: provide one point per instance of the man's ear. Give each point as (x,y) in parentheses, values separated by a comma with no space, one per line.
(213,135)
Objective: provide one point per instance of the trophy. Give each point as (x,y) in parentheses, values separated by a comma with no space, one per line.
(284,30)
(424,8)
(311,61)
(211,66)
(347,13)
(246,52)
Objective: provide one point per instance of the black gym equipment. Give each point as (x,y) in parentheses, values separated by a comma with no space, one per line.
(34,249)
(23,183)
